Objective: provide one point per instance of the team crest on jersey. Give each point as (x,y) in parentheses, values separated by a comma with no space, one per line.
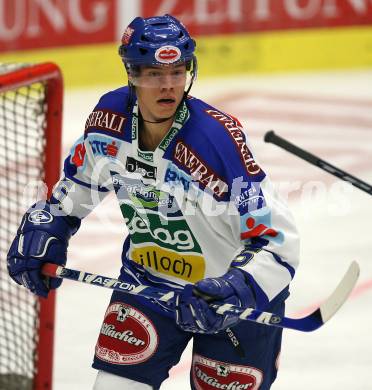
(212,374)
(127,336)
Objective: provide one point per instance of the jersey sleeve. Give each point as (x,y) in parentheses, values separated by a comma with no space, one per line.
(84,182)
(260,220)
(85,179)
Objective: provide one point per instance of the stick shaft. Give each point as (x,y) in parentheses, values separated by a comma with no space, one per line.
(249,314)
(306,324)
(54,270)
(273,138)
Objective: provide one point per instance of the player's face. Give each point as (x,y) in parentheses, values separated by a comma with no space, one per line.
(160,89)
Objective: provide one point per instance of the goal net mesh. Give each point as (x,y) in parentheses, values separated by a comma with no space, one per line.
(22,146)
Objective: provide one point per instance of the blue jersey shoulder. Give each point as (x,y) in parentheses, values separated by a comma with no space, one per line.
(111,116)
(221,139)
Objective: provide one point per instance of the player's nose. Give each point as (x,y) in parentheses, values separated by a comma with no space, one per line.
(167,81)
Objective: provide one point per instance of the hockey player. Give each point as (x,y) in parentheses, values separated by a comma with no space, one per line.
(202,216)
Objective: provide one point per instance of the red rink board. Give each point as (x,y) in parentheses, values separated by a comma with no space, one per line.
(35,24)
(233,16)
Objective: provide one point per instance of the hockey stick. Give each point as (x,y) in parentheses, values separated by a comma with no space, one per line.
(308,323)
(270,136)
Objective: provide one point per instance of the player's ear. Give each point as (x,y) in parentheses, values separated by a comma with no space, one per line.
(133,72)
(130,77)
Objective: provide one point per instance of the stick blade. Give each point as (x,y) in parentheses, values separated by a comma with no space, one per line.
(341,293)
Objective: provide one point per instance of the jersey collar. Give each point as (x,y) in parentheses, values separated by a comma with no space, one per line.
(182,115)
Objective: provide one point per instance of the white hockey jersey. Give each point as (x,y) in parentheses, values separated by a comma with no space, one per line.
(194,207)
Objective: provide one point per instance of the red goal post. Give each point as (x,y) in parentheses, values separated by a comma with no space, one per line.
(31,100)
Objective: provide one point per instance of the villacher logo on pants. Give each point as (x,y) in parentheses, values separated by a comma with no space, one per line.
(211,374)
(127,336)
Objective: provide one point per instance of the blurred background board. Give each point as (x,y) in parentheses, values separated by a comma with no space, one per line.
(233,36)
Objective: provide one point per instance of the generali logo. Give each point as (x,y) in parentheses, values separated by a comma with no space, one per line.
(235,131)
(198,169)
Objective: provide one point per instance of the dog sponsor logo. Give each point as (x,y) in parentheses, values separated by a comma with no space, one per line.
(198,169)
(167,54)
(172,233)
(127,336)
(212,374)
(105,120)
(236,133)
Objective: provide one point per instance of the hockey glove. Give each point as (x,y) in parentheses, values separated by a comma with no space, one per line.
(192,310)
(42,237)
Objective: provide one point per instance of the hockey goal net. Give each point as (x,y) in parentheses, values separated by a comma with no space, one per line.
(30,141)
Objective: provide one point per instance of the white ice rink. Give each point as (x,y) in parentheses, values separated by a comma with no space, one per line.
(329,114)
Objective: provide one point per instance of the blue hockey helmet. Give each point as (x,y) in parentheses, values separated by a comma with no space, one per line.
(159,40)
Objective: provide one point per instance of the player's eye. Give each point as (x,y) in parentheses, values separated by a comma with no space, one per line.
(154,74)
